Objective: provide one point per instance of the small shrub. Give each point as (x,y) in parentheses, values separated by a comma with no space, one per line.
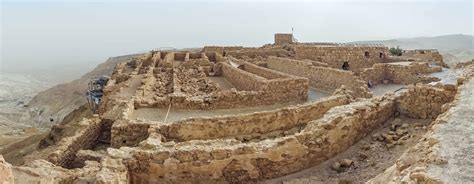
(396,51)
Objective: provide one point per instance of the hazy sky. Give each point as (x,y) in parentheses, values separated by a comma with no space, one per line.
(77,35)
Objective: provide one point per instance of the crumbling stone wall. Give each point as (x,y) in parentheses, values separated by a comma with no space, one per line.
(464,64)
(241,79)
(235,161)
(220,50)
(322,78)
(411,73)
(250,52)
(128,133)
(86,138)
(424,101)
(250,125)
(186,85)
(275,86)
(357,57)
(426,55)
(283,38)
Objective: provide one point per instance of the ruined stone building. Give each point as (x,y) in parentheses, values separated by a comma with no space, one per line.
(239,114)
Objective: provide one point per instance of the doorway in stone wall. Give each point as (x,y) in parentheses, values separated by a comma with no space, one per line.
(345,66)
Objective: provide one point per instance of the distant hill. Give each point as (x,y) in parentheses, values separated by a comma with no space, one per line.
(454,48)
(61,99)
(443,43)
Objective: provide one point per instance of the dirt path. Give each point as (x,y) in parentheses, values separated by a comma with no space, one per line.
(457,140)
(370,157)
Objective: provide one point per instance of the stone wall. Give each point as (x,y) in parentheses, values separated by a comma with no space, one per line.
(403,73)
(322,78)
(189,88)
(283,38)
(264,72)
(357,57)
(228,160)
(241,79)
(424,101)
(430,56)
(249,125)
(220,49)
(464,64)
(85,138)
(274,86)
(128,133)
(249,52)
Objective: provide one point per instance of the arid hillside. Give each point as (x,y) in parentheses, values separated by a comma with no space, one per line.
(61,99)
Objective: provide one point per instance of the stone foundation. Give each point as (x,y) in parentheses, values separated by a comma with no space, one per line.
(402,73)
(322,78)
(425,101)
(357,57)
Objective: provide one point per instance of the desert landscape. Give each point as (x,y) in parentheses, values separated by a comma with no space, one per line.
(286,112)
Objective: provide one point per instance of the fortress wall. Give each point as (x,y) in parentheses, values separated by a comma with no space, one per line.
(221,49)
(169,57)
(335,56)
(258,52)
(323,78)
(236,162)
(250,125)
(195,55)
(423,101)
(283,38)
(156,57)
(252,52)
(163,55)
(399,74)
(180,56)
(431,56)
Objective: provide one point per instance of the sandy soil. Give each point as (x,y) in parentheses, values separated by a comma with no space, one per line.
(370,157)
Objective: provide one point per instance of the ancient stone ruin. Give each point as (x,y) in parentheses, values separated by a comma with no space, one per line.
(240,114)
